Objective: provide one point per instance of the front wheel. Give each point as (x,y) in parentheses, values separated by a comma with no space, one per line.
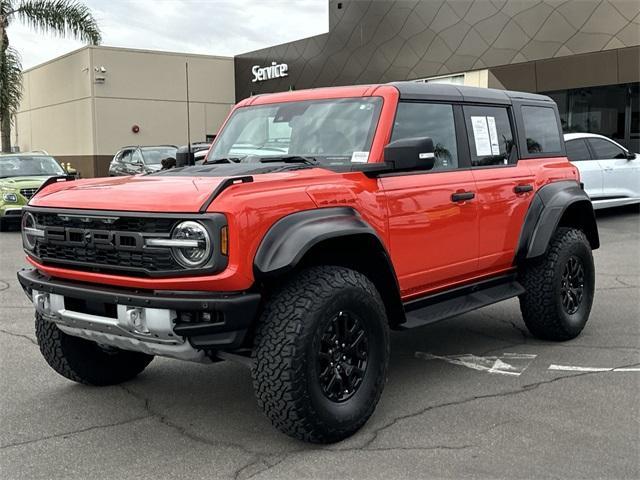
(559,287)
(87,362)
(321,354)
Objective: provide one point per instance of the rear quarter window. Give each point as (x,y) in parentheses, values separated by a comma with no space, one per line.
(541,130)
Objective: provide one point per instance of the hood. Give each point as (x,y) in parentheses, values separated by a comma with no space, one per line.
(22,182)
(171,191)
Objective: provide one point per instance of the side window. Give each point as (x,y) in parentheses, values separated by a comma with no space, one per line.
(577,150)
(490,135)
(541,129)
(125,157)
(433,120)
(136,157)
(603,149)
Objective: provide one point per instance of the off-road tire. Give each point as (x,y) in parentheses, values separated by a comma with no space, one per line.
(541,304)
(84,361)
(4,225)
(285,369)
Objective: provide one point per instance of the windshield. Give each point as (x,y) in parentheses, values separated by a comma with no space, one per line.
(333,132)
(155,155)
(27,165)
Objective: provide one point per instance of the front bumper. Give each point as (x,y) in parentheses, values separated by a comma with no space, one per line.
(13,212)
(185,325)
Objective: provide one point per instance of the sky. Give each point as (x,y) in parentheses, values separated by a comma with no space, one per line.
(210,27)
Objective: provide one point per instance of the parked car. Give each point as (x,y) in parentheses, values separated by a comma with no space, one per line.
(386,207)
(21,174)
(200,150)
(134,160)
(610,172)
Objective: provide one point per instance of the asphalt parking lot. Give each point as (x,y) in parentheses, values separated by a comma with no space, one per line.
(438,418)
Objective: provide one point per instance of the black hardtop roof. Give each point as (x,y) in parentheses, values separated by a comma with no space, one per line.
(461,93)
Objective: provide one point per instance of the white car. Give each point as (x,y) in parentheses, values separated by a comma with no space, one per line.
(610,172)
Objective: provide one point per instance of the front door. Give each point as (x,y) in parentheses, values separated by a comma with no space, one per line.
(433,228)
(619,174)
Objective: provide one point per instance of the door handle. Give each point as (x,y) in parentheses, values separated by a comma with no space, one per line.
(522,188)
(462,196)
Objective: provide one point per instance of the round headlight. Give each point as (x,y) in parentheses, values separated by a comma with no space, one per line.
(28,225)
(196,234)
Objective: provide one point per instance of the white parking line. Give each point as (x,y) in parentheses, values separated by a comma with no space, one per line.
(569,368)
(506,364)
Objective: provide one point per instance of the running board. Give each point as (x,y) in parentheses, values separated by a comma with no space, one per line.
(457,301)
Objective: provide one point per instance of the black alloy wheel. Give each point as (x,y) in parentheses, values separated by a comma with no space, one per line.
(342,356)
(572,285)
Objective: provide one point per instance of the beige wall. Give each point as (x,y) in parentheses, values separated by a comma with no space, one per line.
(69,112)
(610,67)
(55,114)
(148,89)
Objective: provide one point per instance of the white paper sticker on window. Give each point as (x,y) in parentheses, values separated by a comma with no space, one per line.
(360,157)
(481,136)
(493,136)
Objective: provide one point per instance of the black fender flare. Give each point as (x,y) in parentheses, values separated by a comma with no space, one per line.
(547,209)
(288,239)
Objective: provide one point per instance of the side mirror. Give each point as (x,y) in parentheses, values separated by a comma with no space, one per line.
(184,157)
(410,154)
(631,156)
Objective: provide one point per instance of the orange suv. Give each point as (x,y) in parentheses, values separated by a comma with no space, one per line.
(320,220)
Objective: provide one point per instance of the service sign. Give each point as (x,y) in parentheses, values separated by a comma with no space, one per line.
(275,70)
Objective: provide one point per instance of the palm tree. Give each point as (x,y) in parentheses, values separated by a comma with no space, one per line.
(62,17)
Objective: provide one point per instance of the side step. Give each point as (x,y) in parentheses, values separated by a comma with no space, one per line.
(457,301)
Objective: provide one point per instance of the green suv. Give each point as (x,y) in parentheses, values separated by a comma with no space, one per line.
(21,175)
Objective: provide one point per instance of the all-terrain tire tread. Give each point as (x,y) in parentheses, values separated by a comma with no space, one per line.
(279,368)
(539,303)
(86,365)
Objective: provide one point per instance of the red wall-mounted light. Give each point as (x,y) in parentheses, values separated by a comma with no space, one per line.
(135,129)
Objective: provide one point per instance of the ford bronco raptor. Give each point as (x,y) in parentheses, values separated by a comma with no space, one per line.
(321,220)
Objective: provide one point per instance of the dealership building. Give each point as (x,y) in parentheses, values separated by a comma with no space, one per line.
(585,54)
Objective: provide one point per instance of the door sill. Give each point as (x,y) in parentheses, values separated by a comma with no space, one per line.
(459,300)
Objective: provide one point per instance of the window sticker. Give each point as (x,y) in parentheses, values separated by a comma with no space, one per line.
(481,136)
(360,157)
(493,135)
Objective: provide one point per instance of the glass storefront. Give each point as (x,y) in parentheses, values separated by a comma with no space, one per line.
(610,110)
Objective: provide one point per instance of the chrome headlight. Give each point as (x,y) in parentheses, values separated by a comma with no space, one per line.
(192,244)
(30,231)
(10,197)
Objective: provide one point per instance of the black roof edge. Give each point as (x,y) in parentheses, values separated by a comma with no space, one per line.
(463,93)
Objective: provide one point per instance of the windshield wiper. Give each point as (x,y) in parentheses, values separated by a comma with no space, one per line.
(291,159)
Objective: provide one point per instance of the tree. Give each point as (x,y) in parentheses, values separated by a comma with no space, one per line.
(61,17)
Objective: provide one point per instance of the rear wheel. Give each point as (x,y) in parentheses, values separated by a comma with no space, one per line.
(321,354)
(559,287)
(87,362)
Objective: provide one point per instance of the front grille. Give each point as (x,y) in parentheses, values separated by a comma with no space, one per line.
(96,254)
(120,224)
(28,192)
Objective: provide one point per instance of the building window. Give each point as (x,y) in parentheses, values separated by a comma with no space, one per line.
(450,79)
(608,110)
(541,129)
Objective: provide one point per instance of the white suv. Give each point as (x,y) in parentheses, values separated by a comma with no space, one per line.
(610,172)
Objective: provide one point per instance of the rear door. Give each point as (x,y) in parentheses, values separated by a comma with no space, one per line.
(621,176)
(433,236)
(579,154)
(504,185)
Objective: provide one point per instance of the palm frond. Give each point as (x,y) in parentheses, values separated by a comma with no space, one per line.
(62,17)
(10,82)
